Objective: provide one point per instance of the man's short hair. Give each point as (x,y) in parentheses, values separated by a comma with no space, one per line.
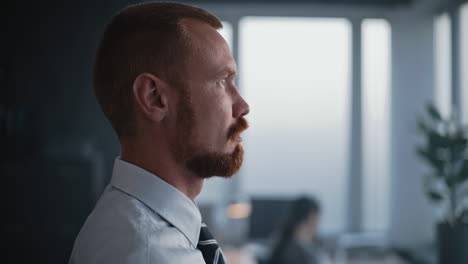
(142,38)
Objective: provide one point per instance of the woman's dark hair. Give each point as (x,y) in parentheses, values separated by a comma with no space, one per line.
(299,210)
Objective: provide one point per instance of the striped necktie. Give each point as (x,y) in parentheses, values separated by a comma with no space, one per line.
(209,247)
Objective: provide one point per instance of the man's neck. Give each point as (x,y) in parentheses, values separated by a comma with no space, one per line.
(164,166)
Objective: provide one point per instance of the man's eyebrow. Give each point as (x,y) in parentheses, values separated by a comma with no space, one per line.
(228,71)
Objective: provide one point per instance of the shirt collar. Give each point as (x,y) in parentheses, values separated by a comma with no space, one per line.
(171,204)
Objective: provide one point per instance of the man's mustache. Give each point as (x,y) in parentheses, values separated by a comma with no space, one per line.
(237,128)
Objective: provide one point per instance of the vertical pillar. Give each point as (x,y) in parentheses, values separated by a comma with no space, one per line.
(355,157)
(455,61)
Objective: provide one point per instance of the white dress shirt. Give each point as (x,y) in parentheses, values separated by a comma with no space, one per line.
(139,219)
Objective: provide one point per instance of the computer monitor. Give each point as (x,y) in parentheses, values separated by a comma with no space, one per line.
(267,216)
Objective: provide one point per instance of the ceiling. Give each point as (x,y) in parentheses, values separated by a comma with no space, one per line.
(381,3)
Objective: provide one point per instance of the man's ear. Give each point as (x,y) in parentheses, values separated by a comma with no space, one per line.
(151,98)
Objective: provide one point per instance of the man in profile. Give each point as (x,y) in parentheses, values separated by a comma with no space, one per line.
(164,77)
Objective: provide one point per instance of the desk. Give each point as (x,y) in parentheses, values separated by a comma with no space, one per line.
(243,256)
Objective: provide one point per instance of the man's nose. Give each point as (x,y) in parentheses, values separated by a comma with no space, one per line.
(240,108)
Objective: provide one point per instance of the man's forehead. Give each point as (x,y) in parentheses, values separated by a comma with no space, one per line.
(201,34)
(196,27)
(209,47)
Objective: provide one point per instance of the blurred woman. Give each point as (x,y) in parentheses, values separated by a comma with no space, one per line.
(298,231)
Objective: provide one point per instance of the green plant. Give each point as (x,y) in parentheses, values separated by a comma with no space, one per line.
(446,151)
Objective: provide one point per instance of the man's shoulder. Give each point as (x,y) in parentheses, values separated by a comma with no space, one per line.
(118,210)
(120,228)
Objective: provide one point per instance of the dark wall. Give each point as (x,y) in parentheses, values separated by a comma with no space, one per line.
(56,147)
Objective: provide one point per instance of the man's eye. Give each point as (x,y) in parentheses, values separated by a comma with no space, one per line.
(223,82)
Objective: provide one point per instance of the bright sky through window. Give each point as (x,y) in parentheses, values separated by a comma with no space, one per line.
(442,64)
(376,123)
(464,61)
(295,75)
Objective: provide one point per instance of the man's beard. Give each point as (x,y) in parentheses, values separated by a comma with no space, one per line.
(198,160)
(210,164)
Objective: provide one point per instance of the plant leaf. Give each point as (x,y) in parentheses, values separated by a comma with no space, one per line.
(433,112)
(437,140)
(462,194)
(463,217)
(430,156)
(434,196)
(460,168)
(423,126)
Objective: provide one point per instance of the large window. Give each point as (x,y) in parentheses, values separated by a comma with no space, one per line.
(464,61)
(295,76)
(376,130)
(443,64)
